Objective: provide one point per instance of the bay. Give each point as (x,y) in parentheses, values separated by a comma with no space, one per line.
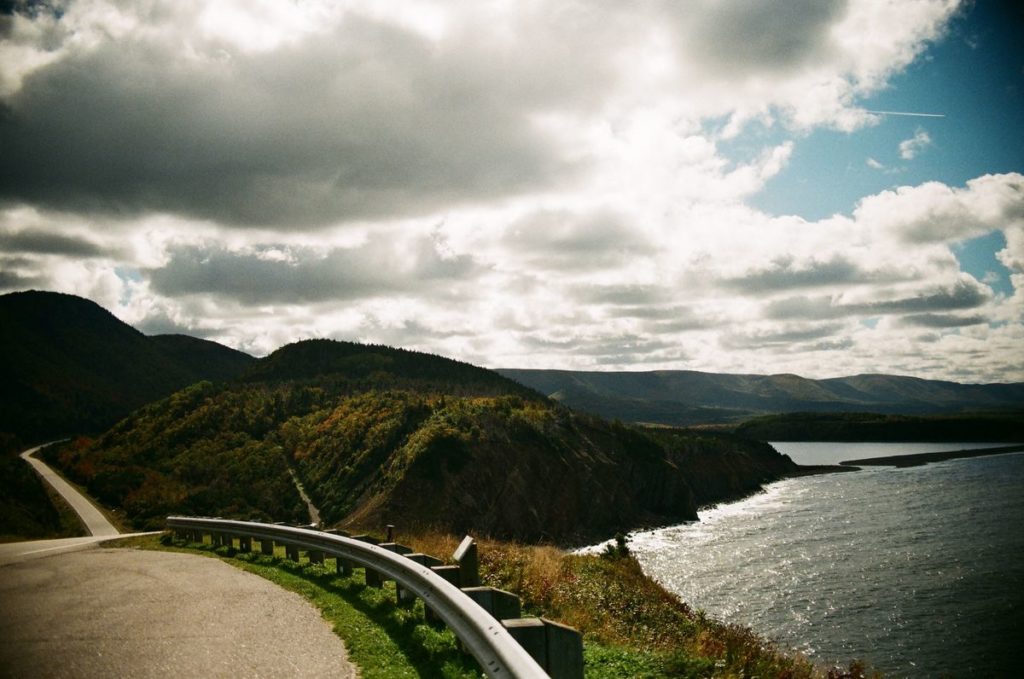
(917,571)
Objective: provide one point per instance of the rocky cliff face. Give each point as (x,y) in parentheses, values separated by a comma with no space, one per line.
(534,474)
(720,467)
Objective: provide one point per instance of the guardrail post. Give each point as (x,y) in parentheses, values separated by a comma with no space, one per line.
(291,552)
(449,573)
(530,634)
(424,559)
(373,578)
(469,563)
(245,543)
(316,556)
(396,548)
(497,602)
(267,547)
(407,598)
(342,565)
(564,651)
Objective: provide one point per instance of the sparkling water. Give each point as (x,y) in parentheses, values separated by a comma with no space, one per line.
(918,571)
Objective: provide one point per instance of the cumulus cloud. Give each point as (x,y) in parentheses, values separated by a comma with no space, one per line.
(786,273)
(285,274)
(935,212)
(49,243)
(911,148)
(515,184)
(362,117)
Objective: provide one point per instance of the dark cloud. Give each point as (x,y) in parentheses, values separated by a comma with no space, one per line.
(46,243)
(785,273)
(744,37)
(302,275)
(565,240)
(820,307)
(636,296)
(10,280)
(942,320)
(368,120)
(782,337)
(620,349)
(962,295)
(158,322)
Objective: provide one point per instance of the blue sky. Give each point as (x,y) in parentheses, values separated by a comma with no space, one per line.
(973,77)
(563,184)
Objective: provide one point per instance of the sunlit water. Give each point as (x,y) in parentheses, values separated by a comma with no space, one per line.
(919,571)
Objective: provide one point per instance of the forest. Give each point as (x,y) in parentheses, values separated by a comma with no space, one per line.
(383,435)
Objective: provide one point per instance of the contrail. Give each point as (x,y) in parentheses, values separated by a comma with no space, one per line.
(907,113)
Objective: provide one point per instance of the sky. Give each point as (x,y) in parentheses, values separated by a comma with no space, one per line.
(718,185)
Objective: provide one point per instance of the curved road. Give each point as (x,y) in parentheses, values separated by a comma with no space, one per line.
(131,613)
(93,518)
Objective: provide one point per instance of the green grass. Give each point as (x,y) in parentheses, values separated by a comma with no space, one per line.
(384,641)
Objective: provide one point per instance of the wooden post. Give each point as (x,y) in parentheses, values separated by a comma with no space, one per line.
(564,651)
(469,564)
(530,634)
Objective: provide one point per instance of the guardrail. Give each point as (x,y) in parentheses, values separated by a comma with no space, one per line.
(482,632)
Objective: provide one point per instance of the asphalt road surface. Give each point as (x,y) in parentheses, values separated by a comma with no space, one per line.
(94,521)
(132,613)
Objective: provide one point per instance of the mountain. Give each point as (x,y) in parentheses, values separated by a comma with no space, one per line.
(380,435)
(69,366)
(688,397)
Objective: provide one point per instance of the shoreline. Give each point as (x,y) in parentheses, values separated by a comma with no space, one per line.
(918,459)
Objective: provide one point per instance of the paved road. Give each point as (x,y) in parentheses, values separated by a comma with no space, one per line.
(94,521)
(130,613)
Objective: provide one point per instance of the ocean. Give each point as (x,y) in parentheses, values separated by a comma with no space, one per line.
(919,572)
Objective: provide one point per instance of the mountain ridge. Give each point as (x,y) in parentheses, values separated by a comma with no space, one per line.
(70,366)
(689,397)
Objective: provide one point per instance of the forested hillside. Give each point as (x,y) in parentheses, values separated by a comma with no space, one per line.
(68,366)
(975,427)
(382,435)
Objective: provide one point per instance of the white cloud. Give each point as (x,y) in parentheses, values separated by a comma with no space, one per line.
(514,184)
(911,148)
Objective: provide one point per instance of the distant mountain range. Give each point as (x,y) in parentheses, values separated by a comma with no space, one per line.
(68,366)
(685,397)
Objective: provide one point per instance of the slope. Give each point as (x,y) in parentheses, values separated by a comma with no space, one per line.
(68,365)
(380,435)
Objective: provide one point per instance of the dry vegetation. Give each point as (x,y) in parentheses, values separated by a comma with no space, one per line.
(631,625)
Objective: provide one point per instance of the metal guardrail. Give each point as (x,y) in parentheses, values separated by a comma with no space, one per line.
(483,636)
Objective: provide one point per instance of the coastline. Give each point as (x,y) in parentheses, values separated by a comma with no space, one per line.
(817,469)
(918,459)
